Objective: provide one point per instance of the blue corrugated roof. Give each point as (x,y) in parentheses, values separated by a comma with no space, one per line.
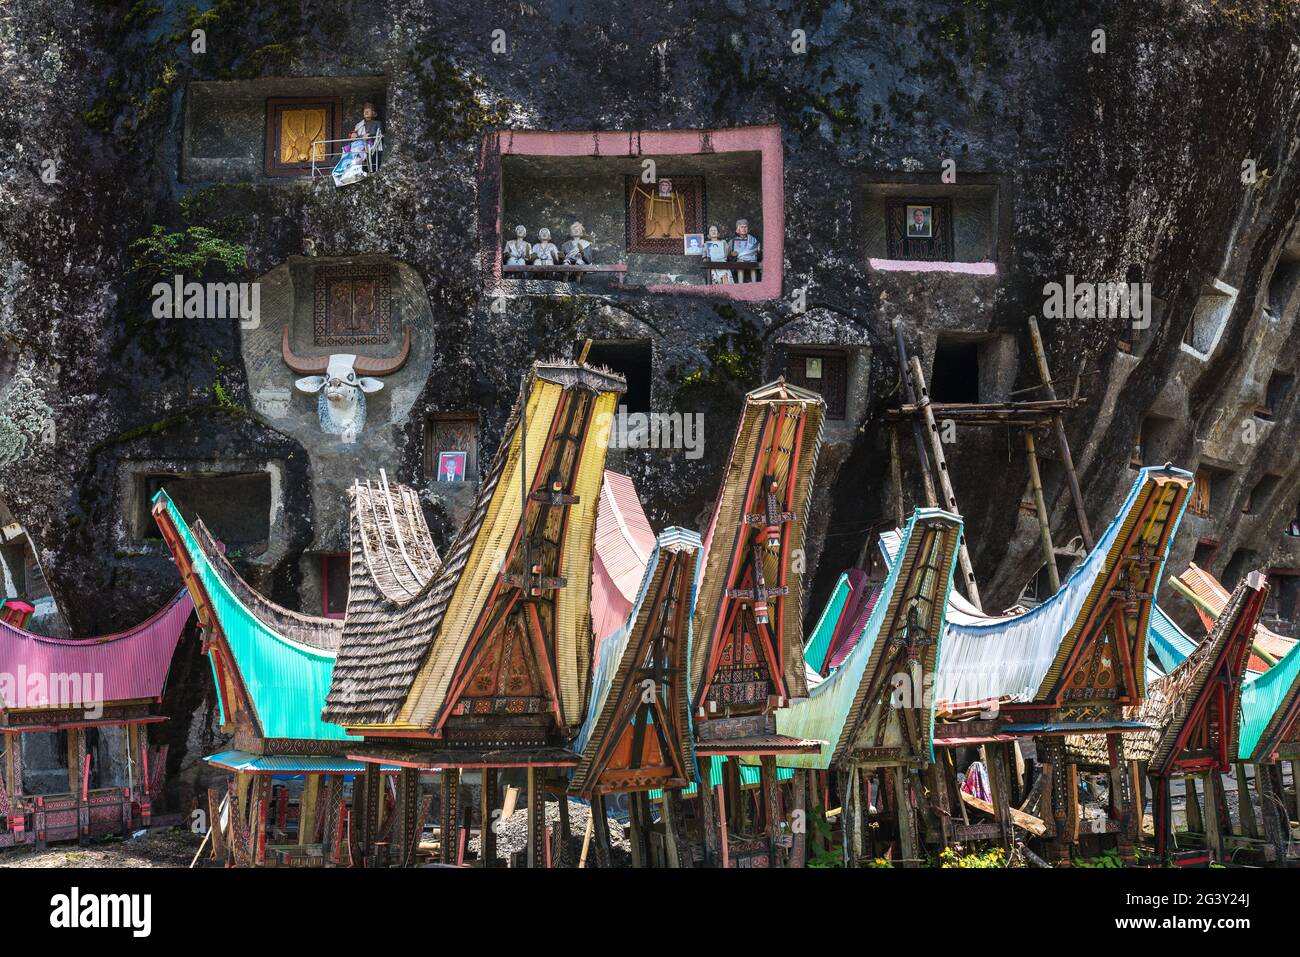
(237,760)
(1169,642)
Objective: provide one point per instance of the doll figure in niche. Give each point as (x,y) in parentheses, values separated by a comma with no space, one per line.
(745,248)
(715,251)
(519,250)
(545,252)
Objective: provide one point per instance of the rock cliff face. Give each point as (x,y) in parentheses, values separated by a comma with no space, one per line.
(1132,164)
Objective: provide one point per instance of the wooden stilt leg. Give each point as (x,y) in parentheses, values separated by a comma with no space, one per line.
(307,809)
(1195,822)
(722,824)
(858,817)
(561,857)
(1245,806)
(536,819)
(1214,814)
(941,797)
(1061,798)
(487,842)
(907,841)
(1295,789)
(799,820)
(1121,799)
(1163,814)
(847,838)
(448,815)
(709,818)
(1000,785)
(771,809)
(600,830)
(1276,827)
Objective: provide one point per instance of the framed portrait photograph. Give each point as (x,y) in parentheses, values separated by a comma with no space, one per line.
(693,244)
(813,367)
(920,222)
(451,466)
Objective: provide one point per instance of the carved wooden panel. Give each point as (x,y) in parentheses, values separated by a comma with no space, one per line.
(657,221)
(353,306)
(294,128)
(826,373)
(452,432)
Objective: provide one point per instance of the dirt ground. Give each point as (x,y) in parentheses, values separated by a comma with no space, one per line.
(173,847)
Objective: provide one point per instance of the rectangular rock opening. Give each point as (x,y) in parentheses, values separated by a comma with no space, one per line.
(1210,490)
(644,232)
(1209,319)
(1282,607)
(235,506)
(634,360)
(955,376)
(251,130)
(1258,498)
(912,223)
(1275,393)
(824,371)
(1154,445)
(451,447)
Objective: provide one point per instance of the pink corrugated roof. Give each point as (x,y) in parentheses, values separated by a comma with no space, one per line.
(131,664)
(853,619)
(624,541)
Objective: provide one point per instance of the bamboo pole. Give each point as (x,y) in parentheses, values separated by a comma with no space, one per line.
(1040,507)
(927,482)
(1058,424)
(941,465)
(896,476)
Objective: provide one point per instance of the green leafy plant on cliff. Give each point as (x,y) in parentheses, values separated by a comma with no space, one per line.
(190,252)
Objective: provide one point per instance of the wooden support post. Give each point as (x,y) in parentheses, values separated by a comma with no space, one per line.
(1060,795)
(844,782)
(1040,509)
(1214,815)
(220,849)
(709,820)
(896,476)
(1277,830)
(1058,424)
(307,809)
(487,840)
(406,835)
(1195,822)
(771,808)
(858,817)
(908,844)
(1121,798)
(1162,813)
(941,795)
(799,820)
(909,394)
(449,815)
(1295,789)
(600,830)
(639,832)
(722,823)
(1245,806)
(536,819)
(561,857)
(995,760)
(669,815)
(945,483)
(1139,792)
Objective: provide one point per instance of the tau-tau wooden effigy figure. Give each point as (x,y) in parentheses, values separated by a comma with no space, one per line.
(1269,732)
(76,760)
(290,781)
(874,713)
(747,648)
(637,734)
(1192,712)
(1068,667)
(486,662)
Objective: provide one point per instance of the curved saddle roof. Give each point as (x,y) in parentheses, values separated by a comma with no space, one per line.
(133,663)
(857,709)
(1016,659)
(283,661)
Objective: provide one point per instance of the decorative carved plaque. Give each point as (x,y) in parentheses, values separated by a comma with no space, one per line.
(353,306)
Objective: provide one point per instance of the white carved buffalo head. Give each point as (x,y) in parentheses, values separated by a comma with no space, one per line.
(341,385)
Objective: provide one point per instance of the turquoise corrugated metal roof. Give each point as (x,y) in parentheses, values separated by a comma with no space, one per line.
(286,764)
(814,652)
(286,680)
(1169,642)
(1261,696)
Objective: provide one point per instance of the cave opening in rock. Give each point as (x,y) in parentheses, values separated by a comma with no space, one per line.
(634,360)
